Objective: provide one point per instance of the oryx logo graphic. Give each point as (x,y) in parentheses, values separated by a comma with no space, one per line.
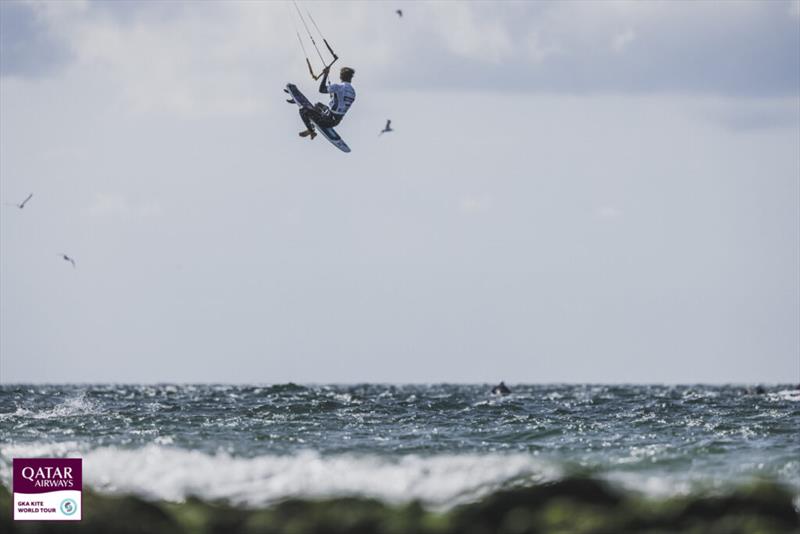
(68,507)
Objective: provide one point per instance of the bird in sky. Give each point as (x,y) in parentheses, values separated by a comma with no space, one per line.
(22,204)
(67,258)
(399,13)
(387,128)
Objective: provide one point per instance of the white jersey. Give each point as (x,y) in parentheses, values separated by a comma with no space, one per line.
(342,97)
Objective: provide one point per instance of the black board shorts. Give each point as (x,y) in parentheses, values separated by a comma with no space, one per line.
(322,115)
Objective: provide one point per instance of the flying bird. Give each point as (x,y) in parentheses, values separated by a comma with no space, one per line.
(399,13)
(67,258)
(387,128)
(22,204)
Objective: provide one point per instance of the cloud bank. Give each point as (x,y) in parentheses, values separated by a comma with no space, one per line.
(192,50)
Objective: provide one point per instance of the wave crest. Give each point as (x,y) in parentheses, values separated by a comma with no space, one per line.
(174,474)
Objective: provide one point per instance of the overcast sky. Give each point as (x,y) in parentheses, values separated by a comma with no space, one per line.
(575,192)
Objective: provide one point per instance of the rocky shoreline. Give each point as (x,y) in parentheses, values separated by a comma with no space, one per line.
(572,505)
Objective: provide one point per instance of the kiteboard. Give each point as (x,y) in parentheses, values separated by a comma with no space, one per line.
(302,102)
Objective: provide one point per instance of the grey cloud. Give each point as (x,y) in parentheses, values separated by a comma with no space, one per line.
(748,117)
(733,49)
(701,48)
(27,48)
(135,11)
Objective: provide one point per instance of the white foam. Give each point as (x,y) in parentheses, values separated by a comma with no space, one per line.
(72,406)
(165,472)
(786,394)
(173,474)
(659,483)
(651,484)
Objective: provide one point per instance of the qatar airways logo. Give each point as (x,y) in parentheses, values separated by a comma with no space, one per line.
(49,477)
(47,488)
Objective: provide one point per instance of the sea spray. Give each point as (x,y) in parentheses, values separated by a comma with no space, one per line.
(442,444)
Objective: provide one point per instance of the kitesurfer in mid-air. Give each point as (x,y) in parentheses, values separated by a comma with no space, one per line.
(342,97)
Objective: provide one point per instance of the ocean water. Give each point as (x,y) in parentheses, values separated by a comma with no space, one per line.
(442,444)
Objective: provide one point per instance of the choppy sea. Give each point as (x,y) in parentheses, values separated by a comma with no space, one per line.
(441,444)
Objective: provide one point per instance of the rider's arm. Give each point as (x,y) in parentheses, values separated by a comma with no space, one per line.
(323,84)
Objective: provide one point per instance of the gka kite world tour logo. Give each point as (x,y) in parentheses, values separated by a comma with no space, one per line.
(47,488)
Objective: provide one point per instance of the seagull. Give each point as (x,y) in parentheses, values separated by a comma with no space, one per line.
(67,258)
(22,205)
(399,13)
(387,128)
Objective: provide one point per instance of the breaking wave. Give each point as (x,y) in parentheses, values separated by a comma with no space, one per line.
(173,474)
